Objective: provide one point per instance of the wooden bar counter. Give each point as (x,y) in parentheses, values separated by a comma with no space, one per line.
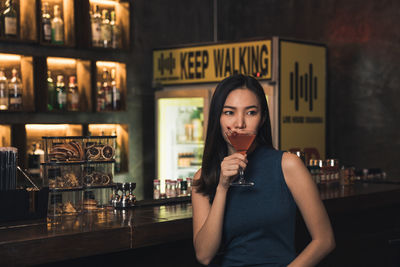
(365,217)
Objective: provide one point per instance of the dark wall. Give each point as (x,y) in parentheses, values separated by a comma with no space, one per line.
(363,64)
(156,24)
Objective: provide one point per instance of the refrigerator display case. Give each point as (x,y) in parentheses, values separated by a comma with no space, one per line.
(180,125)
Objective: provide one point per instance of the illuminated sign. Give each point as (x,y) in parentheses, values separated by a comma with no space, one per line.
(302,96)
(212,63)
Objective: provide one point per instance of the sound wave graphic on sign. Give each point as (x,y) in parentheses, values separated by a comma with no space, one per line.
(303,86)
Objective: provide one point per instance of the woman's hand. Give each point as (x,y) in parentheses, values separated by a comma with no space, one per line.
(230,168)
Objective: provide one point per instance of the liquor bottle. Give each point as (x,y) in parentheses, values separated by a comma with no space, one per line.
(115,32)
(61,94)
(51,93)
(96,27)
(73,94)
(57,27)
(106,29)
(116,93)
(197,123)
(15,92)
(34,162)
(101,101)
(10,20)
(107,90)
(46,23)
(3,91)
(35,158)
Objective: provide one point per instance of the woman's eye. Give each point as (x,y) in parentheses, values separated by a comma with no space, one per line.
(252,112)
(228,112)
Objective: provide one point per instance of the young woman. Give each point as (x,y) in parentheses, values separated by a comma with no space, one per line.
(252,226)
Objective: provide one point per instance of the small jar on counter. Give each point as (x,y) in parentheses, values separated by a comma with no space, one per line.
(172,188)
(167,188)
(156,189)
(189,186)
(184,187)
(178,187)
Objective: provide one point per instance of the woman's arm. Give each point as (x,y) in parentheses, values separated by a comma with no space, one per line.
(307,198)
(208,219)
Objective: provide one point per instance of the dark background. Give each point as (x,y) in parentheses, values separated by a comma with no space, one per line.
(362,38)
(363,42)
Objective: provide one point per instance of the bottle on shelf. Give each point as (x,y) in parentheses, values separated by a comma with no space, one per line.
(46,23)
(181,120)
(116,93)
(106,29)
(73,94)
(3,91)
(57,27)
(61,94)
(35,158)
(34,162)
(9,18)
(101,98)
(15,91)
(115,31)
(197,124)
(51,93)
(107,90)
(96,27)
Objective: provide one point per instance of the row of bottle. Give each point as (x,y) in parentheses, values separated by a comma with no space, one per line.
(108,93)
(189,124)
(329,172)
(324,171)
(105,31)
(60,96)
(52,26)
(172,188)
(10,91)
(9,20)
(189,159)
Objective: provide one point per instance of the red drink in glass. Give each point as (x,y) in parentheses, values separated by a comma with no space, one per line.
(241,142)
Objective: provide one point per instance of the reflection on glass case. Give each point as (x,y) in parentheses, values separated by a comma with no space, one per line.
(72,202)
(65,202)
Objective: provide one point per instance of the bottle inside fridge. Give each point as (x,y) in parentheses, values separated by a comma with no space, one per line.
(180,137)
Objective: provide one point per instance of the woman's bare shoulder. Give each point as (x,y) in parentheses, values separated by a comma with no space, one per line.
(291,161)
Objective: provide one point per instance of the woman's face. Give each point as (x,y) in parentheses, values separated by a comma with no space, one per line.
(241,113)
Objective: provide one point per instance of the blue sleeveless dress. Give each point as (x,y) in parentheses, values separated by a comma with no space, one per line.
(259,221)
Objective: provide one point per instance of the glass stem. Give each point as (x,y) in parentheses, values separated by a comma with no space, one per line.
(241,175)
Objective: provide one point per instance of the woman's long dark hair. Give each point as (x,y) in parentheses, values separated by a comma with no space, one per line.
(215,148)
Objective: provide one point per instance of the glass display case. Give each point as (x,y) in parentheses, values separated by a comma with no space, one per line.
(79,171)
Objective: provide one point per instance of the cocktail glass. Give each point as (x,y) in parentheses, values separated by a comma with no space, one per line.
(241,142)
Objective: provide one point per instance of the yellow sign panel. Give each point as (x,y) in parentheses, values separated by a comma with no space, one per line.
(212,63)
(302,96)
